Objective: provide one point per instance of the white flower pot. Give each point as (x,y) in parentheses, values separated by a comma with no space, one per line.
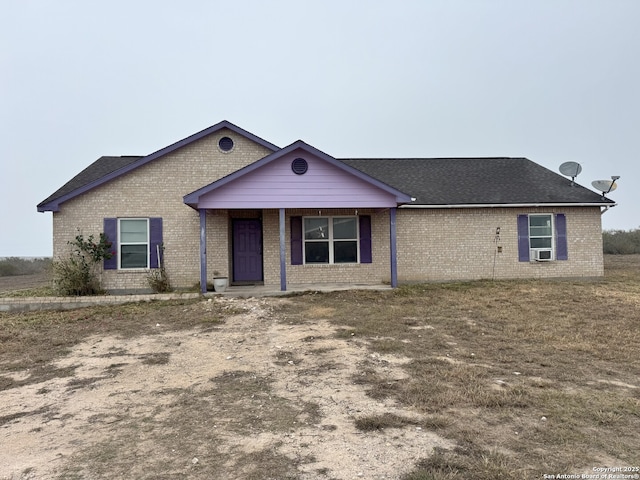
(220,284)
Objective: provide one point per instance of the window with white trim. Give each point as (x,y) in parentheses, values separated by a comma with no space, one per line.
(541,235)
(133,243)
(330,240)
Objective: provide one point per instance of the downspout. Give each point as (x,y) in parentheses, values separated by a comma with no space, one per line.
(606,209)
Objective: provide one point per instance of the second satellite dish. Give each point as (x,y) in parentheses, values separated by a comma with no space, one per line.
(604,186)
(571,169)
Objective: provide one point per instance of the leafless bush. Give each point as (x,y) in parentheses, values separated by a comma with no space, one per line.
(11,266)
(621,241)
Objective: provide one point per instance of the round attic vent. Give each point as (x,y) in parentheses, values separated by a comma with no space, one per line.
(299,166)
(225,144)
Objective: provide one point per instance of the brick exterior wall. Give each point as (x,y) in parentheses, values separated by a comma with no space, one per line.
(433,244)
(156,190)
(460,244)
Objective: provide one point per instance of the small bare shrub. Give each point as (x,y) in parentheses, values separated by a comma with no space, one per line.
(79,274)
(157,278)
(72,276)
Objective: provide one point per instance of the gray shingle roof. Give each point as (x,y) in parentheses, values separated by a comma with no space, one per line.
(432,181)
(97,170)
(475,181)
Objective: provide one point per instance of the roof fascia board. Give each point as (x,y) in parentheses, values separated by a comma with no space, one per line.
(54,205)
(192,198)
(510,205)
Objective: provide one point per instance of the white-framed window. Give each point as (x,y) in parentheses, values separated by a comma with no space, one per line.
(331,240)
(133,243)
(541,236)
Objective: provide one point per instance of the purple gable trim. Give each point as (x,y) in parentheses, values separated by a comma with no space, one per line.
(275,185)
(194,198)
(54,205)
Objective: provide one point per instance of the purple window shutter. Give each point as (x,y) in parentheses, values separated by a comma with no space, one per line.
(365,239)
(155,238)
(523,238)
(296,240)
(111,232)
(561,237)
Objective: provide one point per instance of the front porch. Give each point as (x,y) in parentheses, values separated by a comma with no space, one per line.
(277,255)
(312,223)
(245,291)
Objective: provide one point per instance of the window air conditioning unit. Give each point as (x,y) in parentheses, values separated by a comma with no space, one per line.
(542,255)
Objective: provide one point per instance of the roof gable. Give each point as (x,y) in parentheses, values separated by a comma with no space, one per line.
(106,169)
(271,183)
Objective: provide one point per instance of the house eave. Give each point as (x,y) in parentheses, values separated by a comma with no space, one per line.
(508,205)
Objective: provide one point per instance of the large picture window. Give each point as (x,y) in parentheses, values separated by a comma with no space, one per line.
(133,242)
(330,240)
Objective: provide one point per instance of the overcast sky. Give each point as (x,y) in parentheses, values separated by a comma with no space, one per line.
(553,81)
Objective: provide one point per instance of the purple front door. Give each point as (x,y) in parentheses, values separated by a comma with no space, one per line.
(247,250)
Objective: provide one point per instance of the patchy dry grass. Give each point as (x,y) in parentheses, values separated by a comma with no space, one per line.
(527,377)
(380,422)
(29,285)
(185,437)
(31,341)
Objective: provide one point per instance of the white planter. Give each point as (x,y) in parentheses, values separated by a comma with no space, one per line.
(220,284)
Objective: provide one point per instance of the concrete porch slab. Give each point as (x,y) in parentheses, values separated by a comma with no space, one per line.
(274,290)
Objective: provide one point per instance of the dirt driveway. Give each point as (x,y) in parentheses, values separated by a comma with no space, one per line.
(256,396)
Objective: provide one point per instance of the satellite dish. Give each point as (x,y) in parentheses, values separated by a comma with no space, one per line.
(605,186)
(571,169)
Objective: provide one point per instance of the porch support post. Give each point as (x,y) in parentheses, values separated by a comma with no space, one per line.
(283,254)
(203,250)
(393,247)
